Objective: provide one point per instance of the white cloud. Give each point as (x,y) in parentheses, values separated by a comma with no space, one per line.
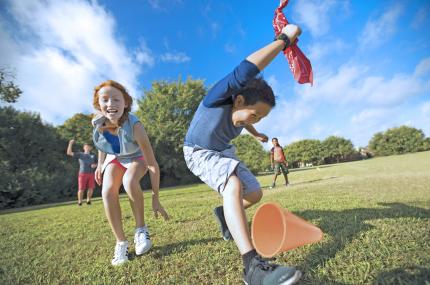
(59,59)
(379,30)
(144,55)
(353,84)
(423,67)
(178,57)
(214,28)
(318,50)
(163,5)
(315,15)
(425,109)
(370,116)
(230,48)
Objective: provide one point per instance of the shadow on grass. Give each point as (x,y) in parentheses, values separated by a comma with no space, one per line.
(304,182)
(344,226)
(409,275)
(174,248)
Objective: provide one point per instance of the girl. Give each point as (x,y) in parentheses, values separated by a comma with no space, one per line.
(125,155)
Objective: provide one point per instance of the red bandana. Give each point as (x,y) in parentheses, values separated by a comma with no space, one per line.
(299,64)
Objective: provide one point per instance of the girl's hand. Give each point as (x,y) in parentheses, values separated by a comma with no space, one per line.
(98,175)
(157,208)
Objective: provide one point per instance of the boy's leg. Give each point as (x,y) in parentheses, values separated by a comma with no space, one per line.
(131,182)
(89,195)
(235,216)
(80,196)
(91,186)
(252,198)
(112,179)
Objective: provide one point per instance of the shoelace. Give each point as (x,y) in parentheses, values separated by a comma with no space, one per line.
(120,250)
(144,236)
(265,265)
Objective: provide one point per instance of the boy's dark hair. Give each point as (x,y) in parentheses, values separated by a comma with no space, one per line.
(258,90)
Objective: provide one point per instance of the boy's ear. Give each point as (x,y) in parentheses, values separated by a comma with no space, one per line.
(239,101)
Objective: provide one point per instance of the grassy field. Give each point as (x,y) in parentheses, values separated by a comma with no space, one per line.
(375,215)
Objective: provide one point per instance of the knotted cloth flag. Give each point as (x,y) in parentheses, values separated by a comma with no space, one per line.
(299,64)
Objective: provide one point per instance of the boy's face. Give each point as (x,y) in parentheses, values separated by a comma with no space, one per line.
(111,103)
(87,148)
(248,114)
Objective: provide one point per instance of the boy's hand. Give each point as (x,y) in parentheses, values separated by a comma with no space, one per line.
(157,208)
(98,175)
(71,141)
(262,137)
(292,32)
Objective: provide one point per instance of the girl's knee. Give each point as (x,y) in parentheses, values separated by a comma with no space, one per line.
(109,192)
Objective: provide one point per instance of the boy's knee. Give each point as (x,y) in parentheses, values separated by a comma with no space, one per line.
(254,197)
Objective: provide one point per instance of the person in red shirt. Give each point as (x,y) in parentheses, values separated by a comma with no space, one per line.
(278,162)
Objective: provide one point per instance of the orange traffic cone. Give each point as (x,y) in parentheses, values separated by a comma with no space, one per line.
(275,230)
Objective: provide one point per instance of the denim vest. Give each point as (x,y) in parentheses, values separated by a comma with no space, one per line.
(128,146)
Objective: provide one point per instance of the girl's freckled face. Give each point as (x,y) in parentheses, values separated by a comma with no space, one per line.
(111,103)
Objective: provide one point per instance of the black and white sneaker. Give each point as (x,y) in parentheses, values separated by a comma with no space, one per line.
(142,241)
(121,253)
(261,272)
(219,215)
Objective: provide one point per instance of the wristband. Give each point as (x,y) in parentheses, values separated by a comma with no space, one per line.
(285,38)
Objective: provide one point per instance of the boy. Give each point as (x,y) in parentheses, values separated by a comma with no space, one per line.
(87,167)
(237,101)
(278,162)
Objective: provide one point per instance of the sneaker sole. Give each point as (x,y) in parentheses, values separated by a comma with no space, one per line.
(120,263)
(290,281)
(145,250)
(220,224)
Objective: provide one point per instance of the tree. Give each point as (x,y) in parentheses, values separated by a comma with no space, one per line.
(305,151)
(9,92)
(78,128)
(33,166)
(398,140)
(166,111)
(337,148)
(251,152)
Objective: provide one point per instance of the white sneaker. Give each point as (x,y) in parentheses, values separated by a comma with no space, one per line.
(142,241)
(121,253)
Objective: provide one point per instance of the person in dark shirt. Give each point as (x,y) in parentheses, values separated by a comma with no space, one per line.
(87,167)
(236,102)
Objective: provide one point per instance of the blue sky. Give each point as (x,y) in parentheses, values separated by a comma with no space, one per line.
(371,59)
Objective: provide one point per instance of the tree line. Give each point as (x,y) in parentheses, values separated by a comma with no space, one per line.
(34,167)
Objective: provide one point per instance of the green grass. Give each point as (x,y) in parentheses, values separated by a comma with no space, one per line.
(375,215)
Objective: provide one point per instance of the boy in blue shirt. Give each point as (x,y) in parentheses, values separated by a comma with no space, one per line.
(237,101)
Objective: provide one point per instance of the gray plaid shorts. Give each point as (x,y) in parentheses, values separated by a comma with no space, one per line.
(215,168)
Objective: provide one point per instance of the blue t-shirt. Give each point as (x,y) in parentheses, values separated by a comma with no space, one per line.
(212,127)
(113,140)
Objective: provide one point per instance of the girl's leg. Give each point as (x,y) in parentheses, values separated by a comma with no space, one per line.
(112,178)
(131,182)
(235,216)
